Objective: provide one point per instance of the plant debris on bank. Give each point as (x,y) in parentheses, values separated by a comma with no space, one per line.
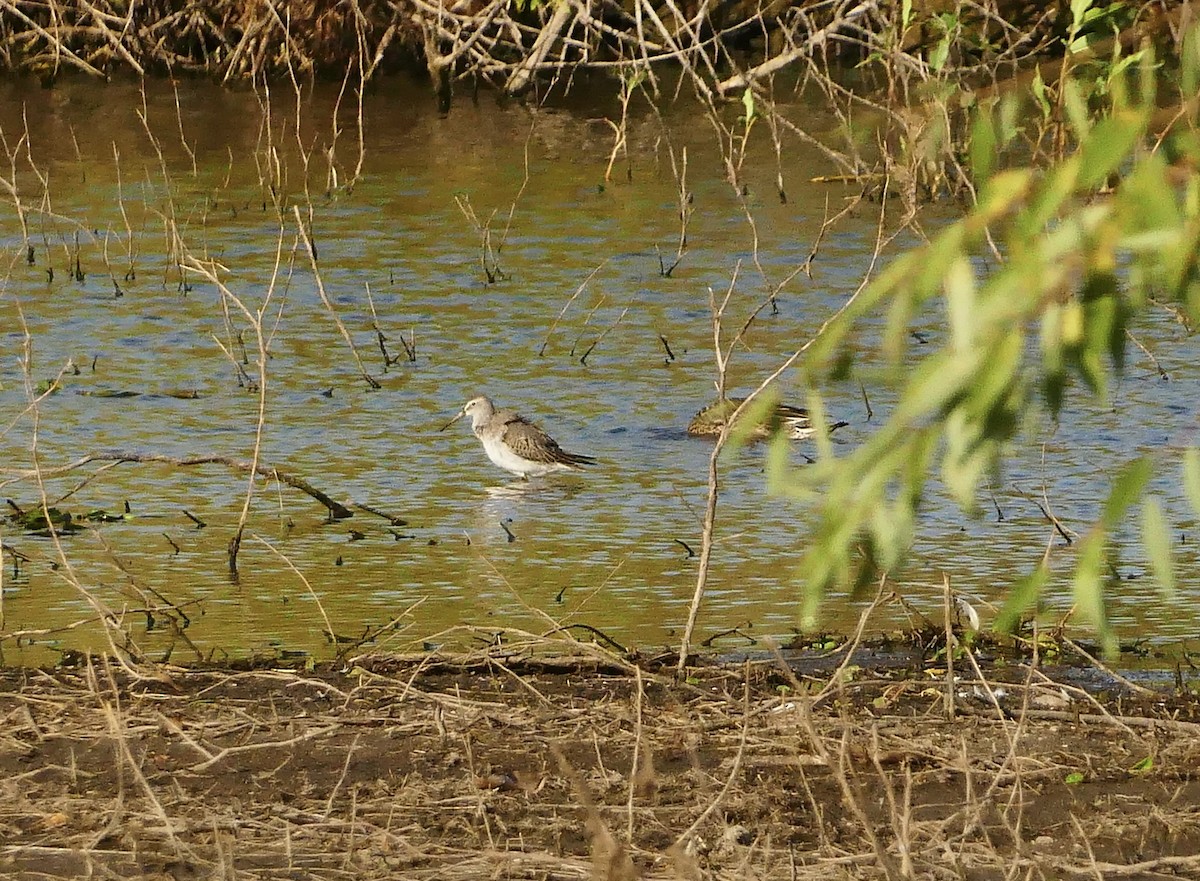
(509,43)
(514,764)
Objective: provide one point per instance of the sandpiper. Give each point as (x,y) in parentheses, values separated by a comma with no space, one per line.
(516,444)
(792,421)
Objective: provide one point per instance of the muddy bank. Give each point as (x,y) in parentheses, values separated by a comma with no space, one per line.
(530,766)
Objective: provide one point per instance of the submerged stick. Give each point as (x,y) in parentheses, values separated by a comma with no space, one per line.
(567,305)
(337,511)
(312,259)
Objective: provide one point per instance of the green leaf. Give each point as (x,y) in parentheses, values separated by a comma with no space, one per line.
(1048,199)
(885,536)
(1021,597)
(1053,362)
(1074,778)
(937,380)
(1147,201)
(983,417)
(1010,117)
(1126,488)
(1189,59)
(1123,64)
(821,577)
(1147,77)
(983,145)
(959,285)
(1038,87)
(1108,145)
(757,413)
(1076,106)
(748,105)
(816,413)
(1157,542)
(1003,192)
(937,58)
(1079,9)
(1143,766)
(1191,477)
(1087,586)
(1178,265)
(994,384)
(1110,335)
(779,449)
(1088,582)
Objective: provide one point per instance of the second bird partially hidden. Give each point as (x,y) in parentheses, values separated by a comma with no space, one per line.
(516,444)
(794,422)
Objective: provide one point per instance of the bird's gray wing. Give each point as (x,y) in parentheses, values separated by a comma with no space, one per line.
(529,442)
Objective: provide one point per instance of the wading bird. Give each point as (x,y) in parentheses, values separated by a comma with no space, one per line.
(792,421)
(516,444)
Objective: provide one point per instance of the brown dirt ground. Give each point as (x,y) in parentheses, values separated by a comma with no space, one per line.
(519,764)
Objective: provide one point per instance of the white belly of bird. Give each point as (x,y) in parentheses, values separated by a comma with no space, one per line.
(504,457)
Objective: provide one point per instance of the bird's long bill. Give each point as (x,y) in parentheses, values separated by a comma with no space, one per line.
(459,415)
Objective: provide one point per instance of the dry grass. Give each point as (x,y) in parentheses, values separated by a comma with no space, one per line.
(519,765)
(233,40)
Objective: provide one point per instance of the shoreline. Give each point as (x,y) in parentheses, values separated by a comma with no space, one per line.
(394,768)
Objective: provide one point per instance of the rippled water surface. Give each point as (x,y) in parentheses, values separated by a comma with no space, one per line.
(580,261)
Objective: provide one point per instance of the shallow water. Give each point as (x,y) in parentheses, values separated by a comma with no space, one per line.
(606,548)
